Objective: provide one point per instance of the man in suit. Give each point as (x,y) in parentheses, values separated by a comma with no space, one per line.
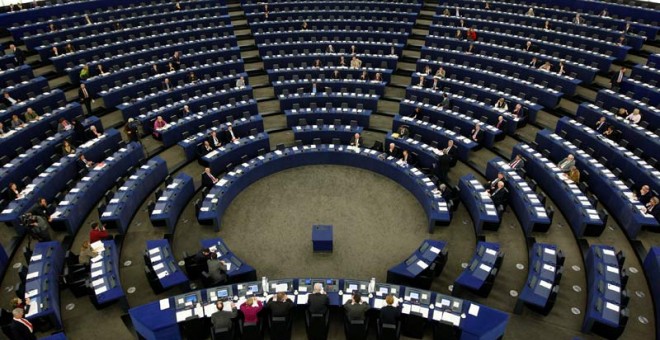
(566,163)
(43,209)
(83,163)
(529,47)
(617,78)
(318,301)
(601,125)
(205,148)
(223,320)
(476,134)
(534,63)
(500,196)
(280,305)
(517,163)
(492,185)
(356,308)
(501,123)
(240,82)
(518,111)
(85,98)
(392,151)
(214,140)
(652,208)
(21,328)
(357,141)
(208,180)
(217,272)
(644,194)
(19,57)
(8,100)
(390,314)
(167,85)
(229,135)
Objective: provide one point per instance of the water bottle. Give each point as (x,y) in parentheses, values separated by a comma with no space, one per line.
(372,285)
(264,284)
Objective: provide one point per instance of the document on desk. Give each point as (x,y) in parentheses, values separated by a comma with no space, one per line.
(162,274)
(406,309)
(35,258)
(451,318)
(474,309)
(164,304)
(612,307)
(302,299)
(345,298)
(32,275)
(281,287)
(183,315)
(422,264)
(210,309)
(379,303)
(100,290)
(156,258)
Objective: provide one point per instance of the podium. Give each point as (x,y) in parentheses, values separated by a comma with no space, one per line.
(322,238)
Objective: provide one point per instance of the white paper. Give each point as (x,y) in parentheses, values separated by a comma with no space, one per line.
(164,304)
(474,309)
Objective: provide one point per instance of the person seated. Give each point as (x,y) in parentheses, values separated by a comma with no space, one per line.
(154,70)
(518,111)
(440,73)
(229,136)
(601,125)
(644,194)
(378,77)
(86,253)
(517,163)
(561,69)
(416,112)
(329,49)
(192,78)
(500,196)
(458,35)
(217,272)
(100,70)
(93,133)
(529,47)
(392,151)
(208,180)
(98,233)
(20,327)
(222,320)
(501,105)
(357,141)
(84,72)
(20,303)
(406,158)
(8,100)
(3,130)
(492,185)
(546,25)
(280,305)
(14,192)
(573,174)
(530,12)
(578,19)
(609,132)
(634,117)
(622,112)
(205,148)
(16,122)
(403,131)
(251,309)
(336,75)
(471,49)
(471,34)
(342,61)
(83,163)
(159,123)
(43,209)
(30,115)
(355,62)
(390,314)
(318,301)
(652,208)
(167,85)
(501,123)
(317,63)
(427,70)
(364,76)
(446,192)
(214,140)
(63,125)
(356,308)
(476,135)
(304,26)
(240,82)
(445,104)
(547,66)
(566,163)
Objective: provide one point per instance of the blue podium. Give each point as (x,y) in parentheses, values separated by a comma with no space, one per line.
(322,238)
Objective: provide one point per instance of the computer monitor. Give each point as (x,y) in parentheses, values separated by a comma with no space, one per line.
(417,296)
(383,289)
(222,293)
(352,286)
(250,288)
(277,286)
(188,300)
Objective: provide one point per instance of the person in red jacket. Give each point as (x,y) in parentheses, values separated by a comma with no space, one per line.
(472,34)
(98,232)
(250,309)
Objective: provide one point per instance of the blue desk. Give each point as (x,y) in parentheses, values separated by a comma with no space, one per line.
(328,116)
(42,283)
(621,10)
(317,23)
(544,96)
(610,190)
(641,90)
(567,84)
(529,209)
(28,89)
(42,103)
(54,179)
(481,271)
(479,204)
(329,34)
(611,99)
(237,270)
(15,75)
(582,216)
(326,133)
(322,238)
(336,85)
(221,195)
(638,137)
(285,6)
(74,208)
(172,201)
(583,72)
(610,154)
(154,323)
(337,11)
(408,271)
(320,99)
(56,336)
(652,272)
(646,74)
(160,260)
(241,127)
(423,155)
(129,197)
(382,60)
(542,285)
(231,154)
(104,276)
(431,132)
(363,47)
(287,72)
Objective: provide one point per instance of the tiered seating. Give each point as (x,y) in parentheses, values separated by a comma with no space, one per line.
(334,85)
(242,127)
(526,203)
(606,313)
(26,90)
(42,103)
(477,201)
(161,267)
(610,100)
(41,285)
(326,134)
(610,190)
(76,205)
(324,115)
(432,133)
(169,204)
(422,155)
(123,205)
(578,210)
(104,275)
(420,268)
(479,275)
(231,154)
(15,75)
(646,74)
(647,93)
(542,286)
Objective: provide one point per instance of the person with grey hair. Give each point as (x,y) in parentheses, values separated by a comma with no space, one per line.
(20,327)
(566,163)
(318,301)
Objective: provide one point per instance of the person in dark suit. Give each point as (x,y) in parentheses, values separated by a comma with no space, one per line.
(214,140)
(21,328)
(447,192)
(208,180)
(500,196)
(83,163)
(529,47)
(617,78)
(280,305)
(43,209)
(443,166)
(8,100)
(318,301)
(517,163)
(390,314)
(476,134)
(357,140)
(644,194)
(205,148)
(202,256)
(601,125)
(228,135)
(14,192)
(492,185)
(501,123)
(652,208)
(85,98)
(518,111)
(176,60)
(131,130)
(223,319)
(216,270)
(356,308)
(19,56)
(392,151)
(167,85)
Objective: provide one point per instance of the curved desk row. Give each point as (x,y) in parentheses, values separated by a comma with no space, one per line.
(42,283)
(379,58)
(42,103)
(285,72)
(105,285)
(231,154)
(609,153)
(326,134)
(378,6)
(329,115)
(479,275)
(26,90)
(363,47)
(237,270)
(481,207)
(174,132)
(421,267)
(16,74)
(433,133)
(242,127)
(646,74)
(126,201)
(222,194)
(162,269)
(172,201)
(159,319)
(423,155)
(340,99)
(329,85)
(582,216)
(323,23)
(614,100)
(532,213)
(641,90)
(73,209)
(328,35)
(610,190)
(332,11)
(199,103)
(542,286)
(56,177)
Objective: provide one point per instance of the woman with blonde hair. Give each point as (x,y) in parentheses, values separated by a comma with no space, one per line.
(251,308)
(86,253)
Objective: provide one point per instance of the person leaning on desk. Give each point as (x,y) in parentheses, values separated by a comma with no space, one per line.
(251,309)
(318,301)
(222,319)
(391,313)
(356,308)
(280,305)
(217,272)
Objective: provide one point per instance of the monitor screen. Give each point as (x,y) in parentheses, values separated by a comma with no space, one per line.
(308,281)
(384,290)
(329,281)
(353,287)
(414,296)
(223,293)
(191,299)
(253,288)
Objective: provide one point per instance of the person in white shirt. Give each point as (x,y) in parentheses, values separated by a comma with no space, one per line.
(634,117)
(240,83)
(501,105)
